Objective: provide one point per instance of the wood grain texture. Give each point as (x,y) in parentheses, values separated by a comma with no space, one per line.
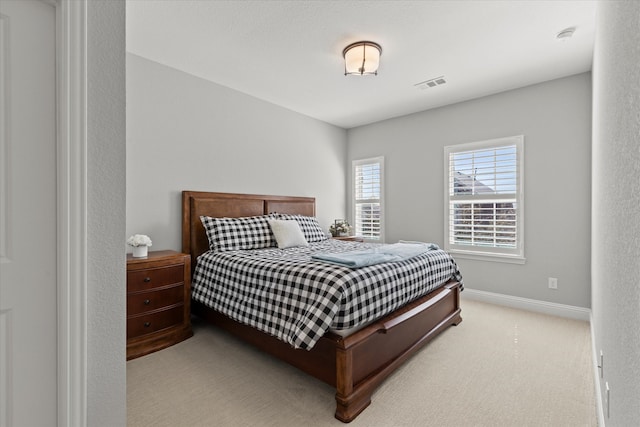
(158,301)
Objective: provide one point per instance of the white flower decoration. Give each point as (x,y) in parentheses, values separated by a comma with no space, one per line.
(139,240)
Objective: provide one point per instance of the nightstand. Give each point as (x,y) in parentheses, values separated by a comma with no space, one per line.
(158,301)
(349,238)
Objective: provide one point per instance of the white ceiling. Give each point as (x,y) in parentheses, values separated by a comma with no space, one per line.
(290,52)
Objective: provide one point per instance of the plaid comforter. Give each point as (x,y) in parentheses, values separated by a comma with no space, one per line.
(285,294)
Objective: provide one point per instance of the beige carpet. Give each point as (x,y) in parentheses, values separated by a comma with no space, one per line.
(499,367)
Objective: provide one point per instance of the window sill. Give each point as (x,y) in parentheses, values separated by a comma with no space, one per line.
(483,256)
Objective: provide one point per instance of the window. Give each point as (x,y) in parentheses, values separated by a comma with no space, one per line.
(367,198)
(484,199)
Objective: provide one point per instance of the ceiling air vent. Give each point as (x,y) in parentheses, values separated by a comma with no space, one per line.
(431,83)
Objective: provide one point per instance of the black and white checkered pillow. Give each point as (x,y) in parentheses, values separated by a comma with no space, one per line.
(232,234)
(309,226)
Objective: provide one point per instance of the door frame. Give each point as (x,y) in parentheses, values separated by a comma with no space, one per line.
(71,165)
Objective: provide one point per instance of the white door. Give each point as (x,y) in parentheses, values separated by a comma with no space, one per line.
(28,323)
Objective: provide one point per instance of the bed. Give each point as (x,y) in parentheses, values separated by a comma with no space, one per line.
(354,363)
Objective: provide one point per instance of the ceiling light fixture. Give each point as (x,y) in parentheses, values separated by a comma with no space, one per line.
(362,58)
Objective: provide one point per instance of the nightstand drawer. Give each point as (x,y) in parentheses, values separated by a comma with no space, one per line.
(146,324)
(154,277)
(153,300)
(158,301)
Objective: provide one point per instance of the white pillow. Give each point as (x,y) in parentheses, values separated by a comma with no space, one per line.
(287,233)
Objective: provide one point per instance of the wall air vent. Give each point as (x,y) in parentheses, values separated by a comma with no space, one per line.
(431,83)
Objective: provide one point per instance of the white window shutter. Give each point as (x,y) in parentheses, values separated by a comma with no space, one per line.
(367,198)
(484,198)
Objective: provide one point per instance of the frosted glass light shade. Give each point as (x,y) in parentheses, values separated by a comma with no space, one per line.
(362,58)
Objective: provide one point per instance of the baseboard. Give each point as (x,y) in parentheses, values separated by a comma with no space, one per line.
(596,376)
(554,309)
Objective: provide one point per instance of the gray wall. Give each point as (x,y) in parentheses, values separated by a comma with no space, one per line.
(106,369)
(616,205)
(185,133)
(555,119)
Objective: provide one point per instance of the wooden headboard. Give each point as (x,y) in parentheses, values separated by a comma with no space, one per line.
(230,205)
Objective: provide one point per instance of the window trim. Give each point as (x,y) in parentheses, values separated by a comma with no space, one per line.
(490,254)
(354,164)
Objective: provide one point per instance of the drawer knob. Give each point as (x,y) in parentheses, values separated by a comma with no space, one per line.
(147,279)
(147,301)
(147,324)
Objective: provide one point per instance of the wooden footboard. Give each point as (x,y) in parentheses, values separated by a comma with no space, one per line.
(367,357)
(356,365)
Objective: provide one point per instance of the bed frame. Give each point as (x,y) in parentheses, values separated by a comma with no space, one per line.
(356,364)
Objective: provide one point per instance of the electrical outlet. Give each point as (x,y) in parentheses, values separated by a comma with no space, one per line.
(607,399)
(553,283)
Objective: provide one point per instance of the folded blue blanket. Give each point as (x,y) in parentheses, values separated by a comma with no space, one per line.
(384,253)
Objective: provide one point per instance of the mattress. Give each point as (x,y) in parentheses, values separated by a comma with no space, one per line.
(285,293)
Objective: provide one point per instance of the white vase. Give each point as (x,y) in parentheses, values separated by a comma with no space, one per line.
(140,251)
